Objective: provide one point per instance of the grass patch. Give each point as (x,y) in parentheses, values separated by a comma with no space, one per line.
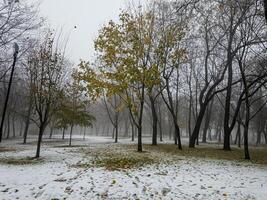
(115,157)
(123,163)
(258,155)
(20,161)
(125,156)
(5,149)
(72,146)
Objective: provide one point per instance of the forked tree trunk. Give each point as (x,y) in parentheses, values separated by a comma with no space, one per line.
(197,127)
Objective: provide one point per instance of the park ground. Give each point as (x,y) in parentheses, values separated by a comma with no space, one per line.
(96,168)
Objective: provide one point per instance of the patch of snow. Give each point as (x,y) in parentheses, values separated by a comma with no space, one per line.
(189,178)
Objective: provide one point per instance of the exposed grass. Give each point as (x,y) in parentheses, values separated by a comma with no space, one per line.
(72,146)
(122,163)
(5,149)
(113,157)
(49,142)
(258,155)
(20,161)
(125,156)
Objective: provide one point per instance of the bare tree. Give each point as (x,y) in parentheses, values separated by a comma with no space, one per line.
(45,68)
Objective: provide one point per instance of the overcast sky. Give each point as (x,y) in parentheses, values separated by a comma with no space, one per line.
(87,15)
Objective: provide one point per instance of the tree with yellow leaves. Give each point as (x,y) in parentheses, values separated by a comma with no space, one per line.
(128,63)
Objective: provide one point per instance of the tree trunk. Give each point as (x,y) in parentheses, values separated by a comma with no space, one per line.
(51,131)
(13,127)
(265,136)
(63,134)
(196,130)
(27,123)
(84,132)
(139,145)
(8,127)
(40,136)
(154,121)
(113,132)
(21,128)
(126,127)
(71,129)
(209,134)
(178,135)
(238,135)
(207,122)
(226,141)
(133,129)
(259,134)
(220,137)
(160,125)
(140,120)
(116,133)
(246,128)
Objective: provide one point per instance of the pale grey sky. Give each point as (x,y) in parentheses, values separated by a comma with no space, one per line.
(87,15)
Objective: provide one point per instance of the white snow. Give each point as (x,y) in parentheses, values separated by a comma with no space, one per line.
(188,178)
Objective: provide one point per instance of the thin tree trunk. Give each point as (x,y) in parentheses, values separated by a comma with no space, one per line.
(154,121)
(27,123)
(178,136)
(40,136)
(139,145)
(265,136)
(63,134)
(238,135)
(13,127)
(116,133)
(21,128)
(133,129)
(207,122)
(8,127)
(259,134)
(70,140)
(246,128)
(51,131)
(84,132)
(196,130)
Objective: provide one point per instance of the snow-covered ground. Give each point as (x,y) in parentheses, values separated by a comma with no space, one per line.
(187,178)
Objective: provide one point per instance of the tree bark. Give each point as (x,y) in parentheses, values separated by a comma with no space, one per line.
(238,135)
(27,123)
(63,134)
(116,133)
(8,127)
(13,127)
(178,135)
(154,121)
(196,130)
(40,136)
(207,122)
(70,140)
(84,132)
(51,131)
(246,128)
